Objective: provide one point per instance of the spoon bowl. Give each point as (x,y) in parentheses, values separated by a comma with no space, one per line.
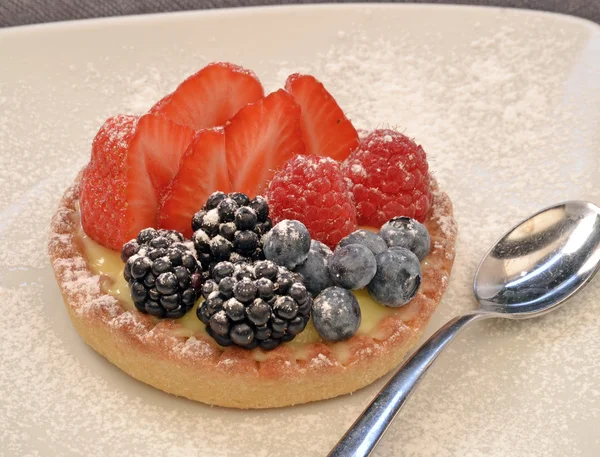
(540,262)
(531,270)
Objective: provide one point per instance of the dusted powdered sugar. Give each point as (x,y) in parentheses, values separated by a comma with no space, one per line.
(509,120)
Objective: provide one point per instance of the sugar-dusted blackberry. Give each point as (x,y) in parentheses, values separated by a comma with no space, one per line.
(240,198)
(245,218)
(214,199)
(261,208)
(129,248)
(254,304)
(229,227)
(246,241)
(163,274)
(227,209)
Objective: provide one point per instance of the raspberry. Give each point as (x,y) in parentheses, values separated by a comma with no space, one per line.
(388,177)
(312,190)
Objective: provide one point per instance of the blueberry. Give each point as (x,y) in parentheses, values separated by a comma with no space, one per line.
(226,210)
(314,270)
(397,279)
(260,206)
(243,270)
(214,199)
(240,198)
(369,239)
(404,232)
(245,218)
(245,290)
(336,314)
(287,243)
(352,266)
(321,248)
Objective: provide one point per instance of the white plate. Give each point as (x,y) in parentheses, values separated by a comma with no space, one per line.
(507,105)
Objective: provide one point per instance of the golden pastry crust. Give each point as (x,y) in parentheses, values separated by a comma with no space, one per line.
(197,368)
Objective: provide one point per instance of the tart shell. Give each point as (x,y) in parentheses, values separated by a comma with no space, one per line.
(198,368)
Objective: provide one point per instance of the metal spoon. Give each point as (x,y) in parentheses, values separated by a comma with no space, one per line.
(531,270)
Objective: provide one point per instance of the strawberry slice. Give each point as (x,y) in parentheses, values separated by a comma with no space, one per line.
(202,171)
(133,160)
(211,96)
(325,129)
(260,139)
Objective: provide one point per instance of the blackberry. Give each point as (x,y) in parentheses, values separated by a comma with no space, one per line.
(229,227)
(252,305)
(163,274)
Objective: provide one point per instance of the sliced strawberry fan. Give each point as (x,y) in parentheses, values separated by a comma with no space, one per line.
(133,160)
(260,139)
(211,96)
(202,170)
(326,131)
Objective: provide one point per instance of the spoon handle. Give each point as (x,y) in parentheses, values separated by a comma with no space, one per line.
(365,433)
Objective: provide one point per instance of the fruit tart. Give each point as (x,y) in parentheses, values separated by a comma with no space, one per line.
(250,250)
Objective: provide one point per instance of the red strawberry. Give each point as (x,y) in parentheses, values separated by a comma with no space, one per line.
(202,171)
(210,97)
(325,129)
(313,190)
(389,177)
(259,139)
(133,160)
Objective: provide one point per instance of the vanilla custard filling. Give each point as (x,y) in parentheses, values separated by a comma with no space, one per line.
(108,264)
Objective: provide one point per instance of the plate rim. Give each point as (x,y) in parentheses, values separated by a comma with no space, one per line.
(108,21)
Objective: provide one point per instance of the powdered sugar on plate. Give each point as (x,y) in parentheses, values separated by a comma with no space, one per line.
(507,109)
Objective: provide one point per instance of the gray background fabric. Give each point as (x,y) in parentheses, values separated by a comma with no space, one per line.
(20,12)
